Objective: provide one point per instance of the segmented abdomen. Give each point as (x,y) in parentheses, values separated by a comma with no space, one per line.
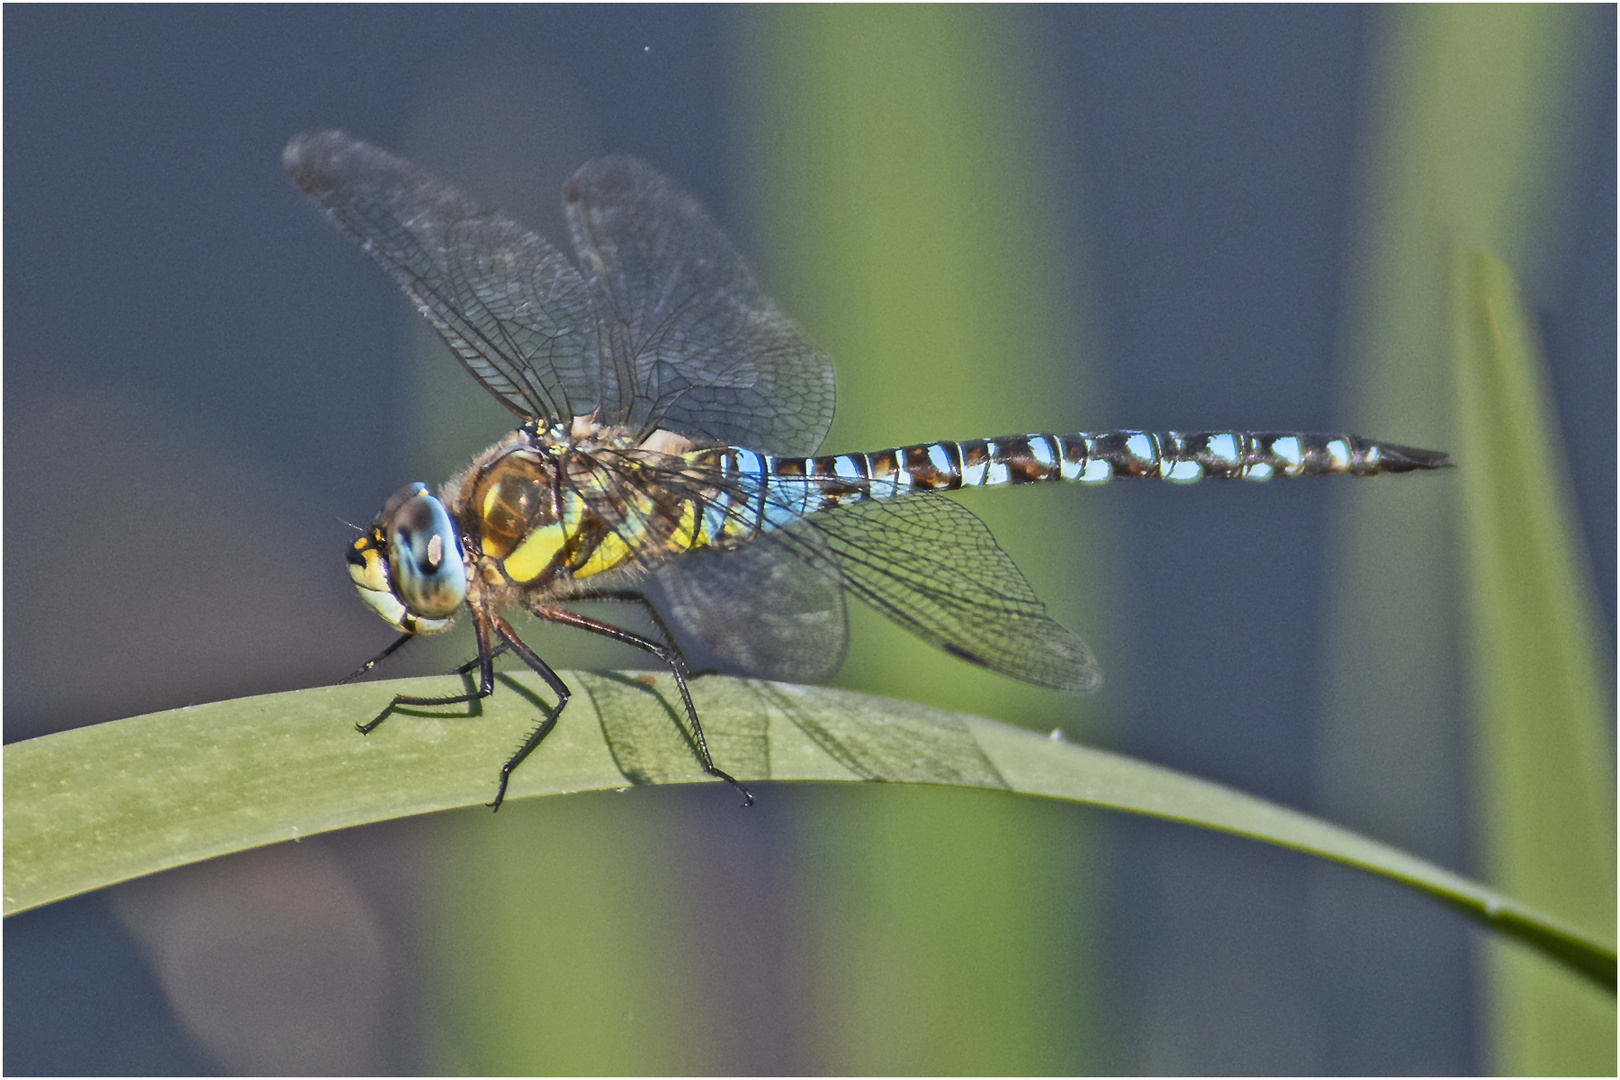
(794,487)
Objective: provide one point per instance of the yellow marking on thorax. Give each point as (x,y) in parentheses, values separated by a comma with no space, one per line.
(688,534)
(639,502)
(508,496)
(609,553)
(573,510)
(537,551)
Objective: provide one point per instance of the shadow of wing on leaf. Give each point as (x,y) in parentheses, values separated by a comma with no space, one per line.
(900,742)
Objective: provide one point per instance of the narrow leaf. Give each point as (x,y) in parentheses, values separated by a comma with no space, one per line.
(98,805)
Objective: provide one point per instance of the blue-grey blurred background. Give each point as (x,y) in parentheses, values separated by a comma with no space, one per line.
(203,383)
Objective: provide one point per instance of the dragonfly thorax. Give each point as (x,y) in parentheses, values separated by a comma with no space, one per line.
(546,507)
(510,490)
(409,567)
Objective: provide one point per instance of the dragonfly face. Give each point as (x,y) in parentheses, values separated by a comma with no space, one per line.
(670,414)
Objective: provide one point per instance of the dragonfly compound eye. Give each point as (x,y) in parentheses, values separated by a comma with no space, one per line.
(424,556)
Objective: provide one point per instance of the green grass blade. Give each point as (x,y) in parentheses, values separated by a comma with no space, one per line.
(1541,698)
(97,805)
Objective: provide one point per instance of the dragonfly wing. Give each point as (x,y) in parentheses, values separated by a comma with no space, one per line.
(511,306)
(774,604)
(773,607)
(932,566)
(690,342)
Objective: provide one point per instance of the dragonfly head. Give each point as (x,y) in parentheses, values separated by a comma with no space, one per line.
(408,566)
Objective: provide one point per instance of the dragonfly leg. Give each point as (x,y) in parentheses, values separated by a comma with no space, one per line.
(486,681)
(510,639)
(467,668)
(641,601)
(667,653)
(646,605)
(379,658)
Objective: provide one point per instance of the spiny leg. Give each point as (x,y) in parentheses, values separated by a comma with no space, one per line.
(668,654)
(463,669)
(486,680)
(507,640)
(646,605)
(495,651)
(510,639)
(485,663)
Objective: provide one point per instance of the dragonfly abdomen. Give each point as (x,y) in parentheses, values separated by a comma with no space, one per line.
(771,492)
(1093,458)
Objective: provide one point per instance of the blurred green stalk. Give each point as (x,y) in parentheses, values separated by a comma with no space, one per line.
(906,205)
(1541,703)
(1470,143)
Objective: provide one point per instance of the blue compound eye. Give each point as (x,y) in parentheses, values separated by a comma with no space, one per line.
(424,556)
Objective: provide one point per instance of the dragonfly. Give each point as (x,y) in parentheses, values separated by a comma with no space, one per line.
(667,455)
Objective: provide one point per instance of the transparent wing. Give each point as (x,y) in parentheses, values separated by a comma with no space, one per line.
(932,566)
(776,609)
(773,604)
(511,307)
(691,344)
